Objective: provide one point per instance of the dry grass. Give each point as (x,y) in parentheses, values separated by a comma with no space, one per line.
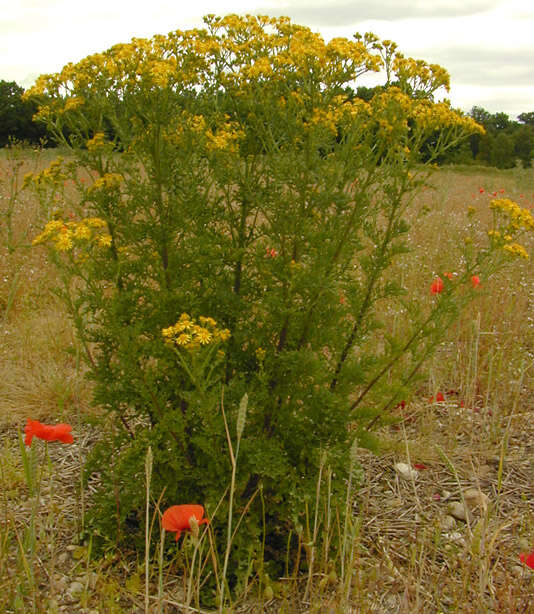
(40,370)
(405,559)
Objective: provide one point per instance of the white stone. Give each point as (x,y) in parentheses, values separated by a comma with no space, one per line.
(475,498)
(405,471)
(447,523)
(75,590)
(455,536)
(457,510)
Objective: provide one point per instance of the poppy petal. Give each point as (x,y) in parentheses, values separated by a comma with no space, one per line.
(62,432)
(176,518)
(47,432)
(527,559)
(436,286)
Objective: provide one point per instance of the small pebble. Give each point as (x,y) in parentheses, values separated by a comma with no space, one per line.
(457,510)
(75,590)
(60,583)
(484,471)
(455,537)
(63,558)
(405,471)
(518,571)
(447,523)
(475,498)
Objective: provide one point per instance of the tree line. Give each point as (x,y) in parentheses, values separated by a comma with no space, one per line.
(505,144)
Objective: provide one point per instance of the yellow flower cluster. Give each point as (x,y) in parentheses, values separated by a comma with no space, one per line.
(108,181)
(97,143)
(260,354)
(162,71)
(52,175)
(64,236)
(511,220)
(260,68)
(516,250)
(250,48)
(519,218)
(190,335)
(287,65)
(431,116)
(418,77)
(328,118)
(73,103)
(225,139)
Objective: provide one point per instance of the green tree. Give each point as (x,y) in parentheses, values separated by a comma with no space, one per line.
(497,147)
(503,151)
(524,144)
(526,118)
(16,116)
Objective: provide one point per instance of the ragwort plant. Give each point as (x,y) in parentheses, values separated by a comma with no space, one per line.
(238,211)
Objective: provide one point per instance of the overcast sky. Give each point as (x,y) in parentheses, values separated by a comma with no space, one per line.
(486,45)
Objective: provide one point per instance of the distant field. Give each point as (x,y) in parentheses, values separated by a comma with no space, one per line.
(481,436)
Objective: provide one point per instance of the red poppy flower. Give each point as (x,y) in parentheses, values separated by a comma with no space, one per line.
(481,190)
(528,559)
(48,432)
(436,286)
(177,518)
(448,275)
(475,281)
(439,398)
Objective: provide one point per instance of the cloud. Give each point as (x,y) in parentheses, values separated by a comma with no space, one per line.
(345,12)
(509,100)
(471,65)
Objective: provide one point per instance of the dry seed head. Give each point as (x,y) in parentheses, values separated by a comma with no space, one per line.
(241,415)
(148,464)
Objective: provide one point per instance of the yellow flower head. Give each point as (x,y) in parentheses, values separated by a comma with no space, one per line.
(96,143)
(516,250)
(187,334)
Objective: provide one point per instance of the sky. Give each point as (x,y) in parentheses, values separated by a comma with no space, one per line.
(486,45)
